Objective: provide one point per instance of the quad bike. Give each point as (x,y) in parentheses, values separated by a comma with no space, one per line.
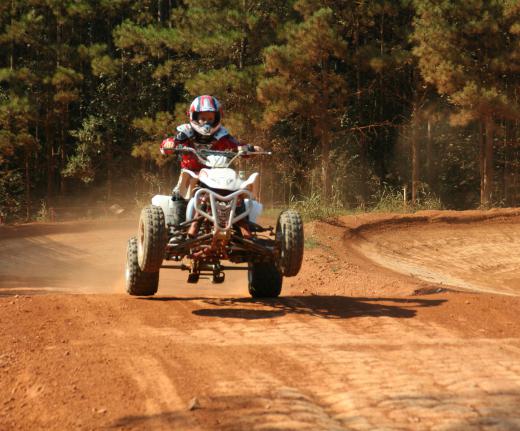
(211,218)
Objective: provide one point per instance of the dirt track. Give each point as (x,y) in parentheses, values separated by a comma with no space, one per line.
(366,337)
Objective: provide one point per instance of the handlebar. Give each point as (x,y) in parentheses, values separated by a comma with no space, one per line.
(228,154)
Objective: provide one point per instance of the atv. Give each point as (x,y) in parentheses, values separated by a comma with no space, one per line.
(211,219)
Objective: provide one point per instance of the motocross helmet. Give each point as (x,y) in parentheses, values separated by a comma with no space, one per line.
(205,104)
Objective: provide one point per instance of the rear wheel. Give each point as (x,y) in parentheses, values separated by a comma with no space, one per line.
(138,283)
(265,280)
(289,234)
(151,239)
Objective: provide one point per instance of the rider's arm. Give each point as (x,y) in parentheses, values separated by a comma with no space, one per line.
(169,144)
(226,143)
(229,143)
(182,138)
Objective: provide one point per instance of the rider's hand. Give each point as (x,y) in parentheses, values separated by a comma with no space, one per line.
(246,148)
(168,144)
(258,148)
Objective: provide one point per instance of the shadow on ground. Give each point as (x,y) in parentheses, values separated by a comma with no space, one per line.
(330,307)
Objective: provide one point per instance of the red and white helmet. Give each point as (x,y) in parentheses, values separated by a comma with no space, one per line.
(205,104)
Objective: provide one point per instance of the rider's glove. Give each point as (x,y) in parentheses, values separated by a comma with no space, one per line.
(246,148)
(168,144)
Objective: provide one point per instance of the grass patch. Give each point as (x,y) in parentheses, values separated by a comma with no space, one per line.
(390,199)
(314,207)
(311,243)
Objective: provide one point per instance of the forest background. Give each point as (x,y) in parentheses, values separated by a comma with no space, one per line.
(357,99)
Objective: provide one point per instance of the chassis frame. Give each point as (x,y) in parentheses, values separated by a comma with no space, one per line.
(220,235)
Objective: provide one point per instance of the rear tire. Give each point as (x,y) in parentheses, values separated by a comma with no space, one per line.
(265,280)
(289,234)
(138,283)
(151,239)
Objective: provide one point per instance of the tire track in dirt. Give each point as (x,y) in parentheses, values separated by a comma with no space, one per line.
(159,395)
(361,373)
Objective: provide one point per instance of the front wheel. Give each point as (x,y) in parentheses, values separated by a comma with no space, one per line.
(138,283)
(289,234)
(265,280)
(151,239)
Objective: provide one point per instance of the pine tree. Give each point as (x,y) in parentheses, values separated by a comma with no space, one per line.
(470,51)
(18,141)
(225,39)
(303,81)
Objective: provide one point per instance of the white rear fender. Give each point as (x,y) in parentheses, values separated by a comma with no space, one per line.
(251,184)
(187,182)
(256,209)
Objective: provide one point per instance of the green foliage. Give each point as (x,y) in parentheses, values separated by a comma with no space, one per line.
(89,89)
(311,243)
(91,142)
(304,78)
(43,214)
(391,199)
(313,207)
(469,50)
(11,195)
(153,130)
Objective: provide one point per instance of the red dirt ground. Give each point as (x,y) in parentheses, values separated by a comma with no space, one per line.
(395,322)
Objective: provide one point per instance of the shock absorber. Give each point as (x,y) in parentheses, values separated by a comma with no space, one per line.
(195,226)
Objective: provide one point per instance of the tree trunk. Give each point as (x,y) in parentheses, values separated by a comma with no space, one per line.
(488,163)
(109,158)
(415,161)
(364,170)
(27,186)
(482,158)
(507,164)
(50,157)
(63,155)
(326,182)
(11,54)
(429,155)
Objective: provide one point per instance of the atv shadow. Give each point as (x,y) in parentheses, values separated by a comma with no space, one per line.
(328,307)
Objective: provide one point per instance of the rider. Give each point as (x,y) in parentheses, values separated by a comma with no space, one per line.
(203,131)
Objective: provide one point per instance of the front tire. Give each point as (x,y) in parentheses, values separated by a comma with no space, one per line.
(265,280)
(138,283)
(151,239)
(289,234)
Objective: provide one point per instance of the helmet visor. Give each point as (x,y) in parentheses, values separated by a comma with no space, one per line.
(206,118)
